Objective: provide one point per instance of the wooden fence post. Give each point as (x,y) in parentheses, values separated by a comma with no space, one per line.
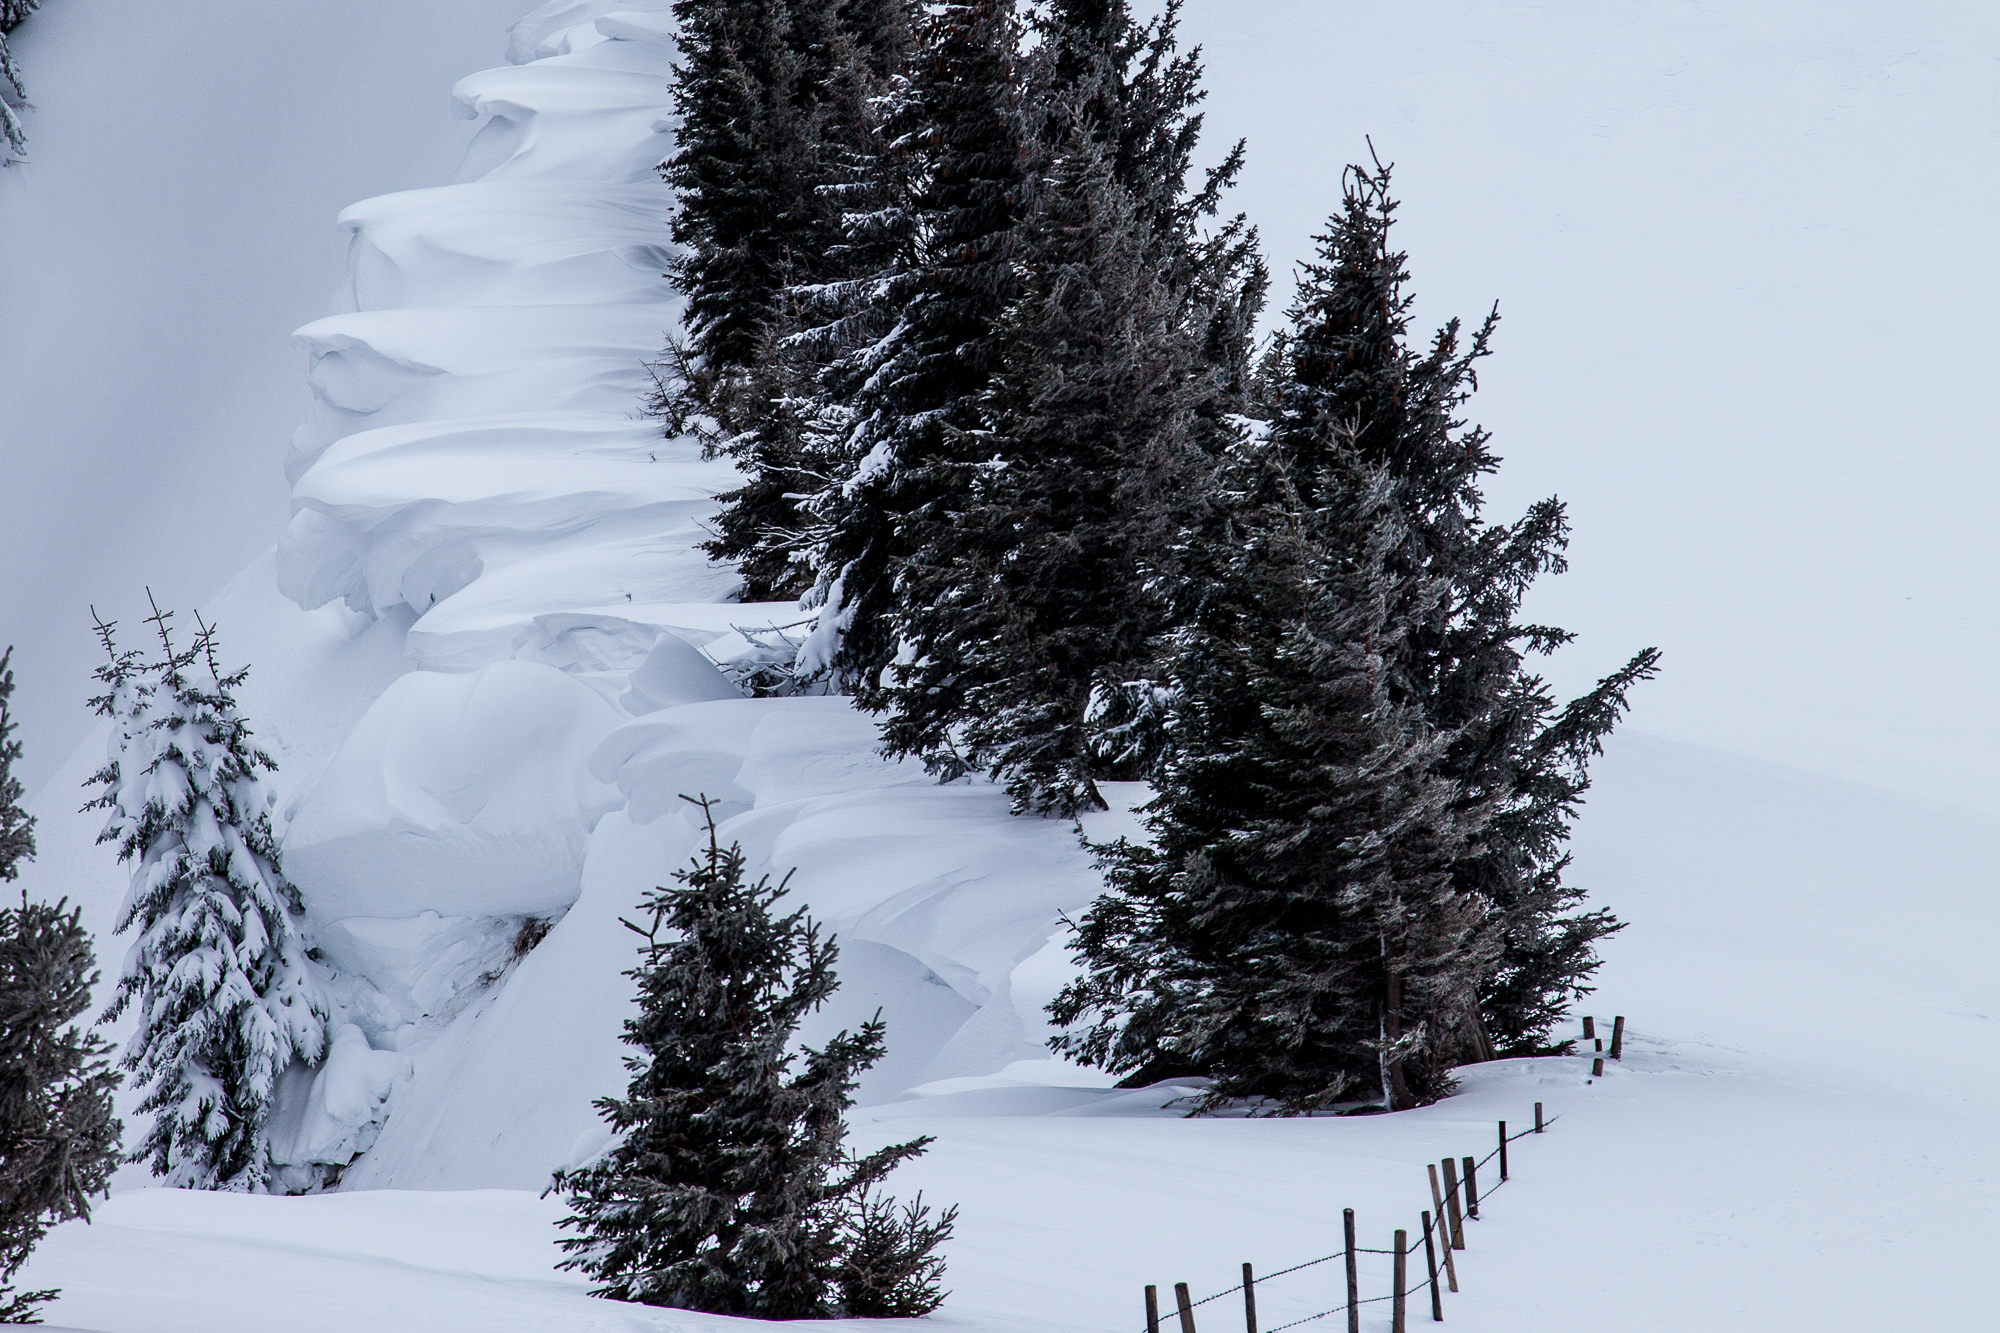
(1618,1037)
(1182,1299)
(1353,1276)
(1538,1117)
(1471,1188)
(1402,1276)
(1431,1265)
(1152,1309)
(1597,1067)
(1503,1150)
(1249,1300)
(1451,1204)
(1589,1027)
(1437,1202)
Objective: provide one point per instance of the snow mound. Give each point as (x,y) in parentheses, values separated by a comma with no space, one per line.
(440,246)
(405,516)
(464,795)
(388,367)
(597,114)
(565,26)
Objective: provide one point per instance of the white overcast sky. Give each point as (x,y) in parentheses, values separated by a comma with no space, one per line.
(1744,256)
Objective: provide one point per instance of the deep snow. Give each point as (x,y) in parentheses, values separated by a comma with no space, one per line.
(488,660)
(1799,1138)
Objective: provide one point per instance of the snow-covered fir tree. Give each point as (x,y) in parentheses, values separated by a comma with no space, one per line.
(17,826)
(1293,931)
(59,1141)
(730,1188)
(218,972)
(13,92)
(1345,380)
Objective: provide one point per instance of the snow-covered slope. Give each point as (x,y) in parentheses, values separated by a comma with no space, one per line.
(475,487)
(1800,1137)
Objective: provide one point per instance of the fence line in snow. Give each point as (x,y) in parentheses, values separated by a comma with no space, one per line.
(1442,1231)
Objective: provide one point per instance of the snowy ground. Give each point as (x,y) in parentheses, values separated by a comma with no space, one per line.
(1801,1136)
(487,658)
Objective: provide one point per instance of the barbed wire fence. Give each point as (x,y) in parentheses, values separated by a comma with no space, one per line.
(1455,1199)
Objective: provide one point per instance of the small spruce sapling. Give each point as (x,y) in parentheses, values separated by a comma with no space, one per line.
(226,1002)
(730,1188)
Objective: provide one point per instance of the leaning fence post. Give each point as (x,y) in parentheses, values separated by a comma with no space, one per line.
(1402,1275)
(1503,1150)
(1353,1277)
(1152,1309)
(1618,1037)
(1589,1027)
(1182,1299)
(1451,1204)
(1249,1300)
(1437,1202)
(1538,1117)
(1431,1266)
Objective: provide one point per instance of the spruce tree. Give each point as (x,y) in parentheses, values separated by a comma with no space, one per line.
(1034,582)
(225,999)
(1346,381)
(1292,932)
(1031,581)
(17,826)
(729,1188)
(775,99)
(58,1139)
(919,331)
(13,93)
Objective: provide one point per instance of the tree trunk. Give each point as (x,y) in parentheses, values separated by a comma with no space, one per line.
(1476,1039)
(1398,1090)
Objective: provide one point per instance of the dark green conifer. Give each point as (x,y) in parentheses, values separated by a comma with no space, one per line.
(59,1142)
(58,1138)
(17,826)
(919,332)
(1347,381)
(776,99)
(1292,932)
(730,1189)
(1033,585)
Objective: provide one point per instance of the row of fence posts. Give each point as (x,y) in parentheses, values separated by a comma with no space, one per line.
(1445,1216)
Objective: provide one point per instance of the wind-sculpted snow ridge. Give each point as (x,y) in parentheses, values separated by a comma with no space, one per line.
(477,477)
